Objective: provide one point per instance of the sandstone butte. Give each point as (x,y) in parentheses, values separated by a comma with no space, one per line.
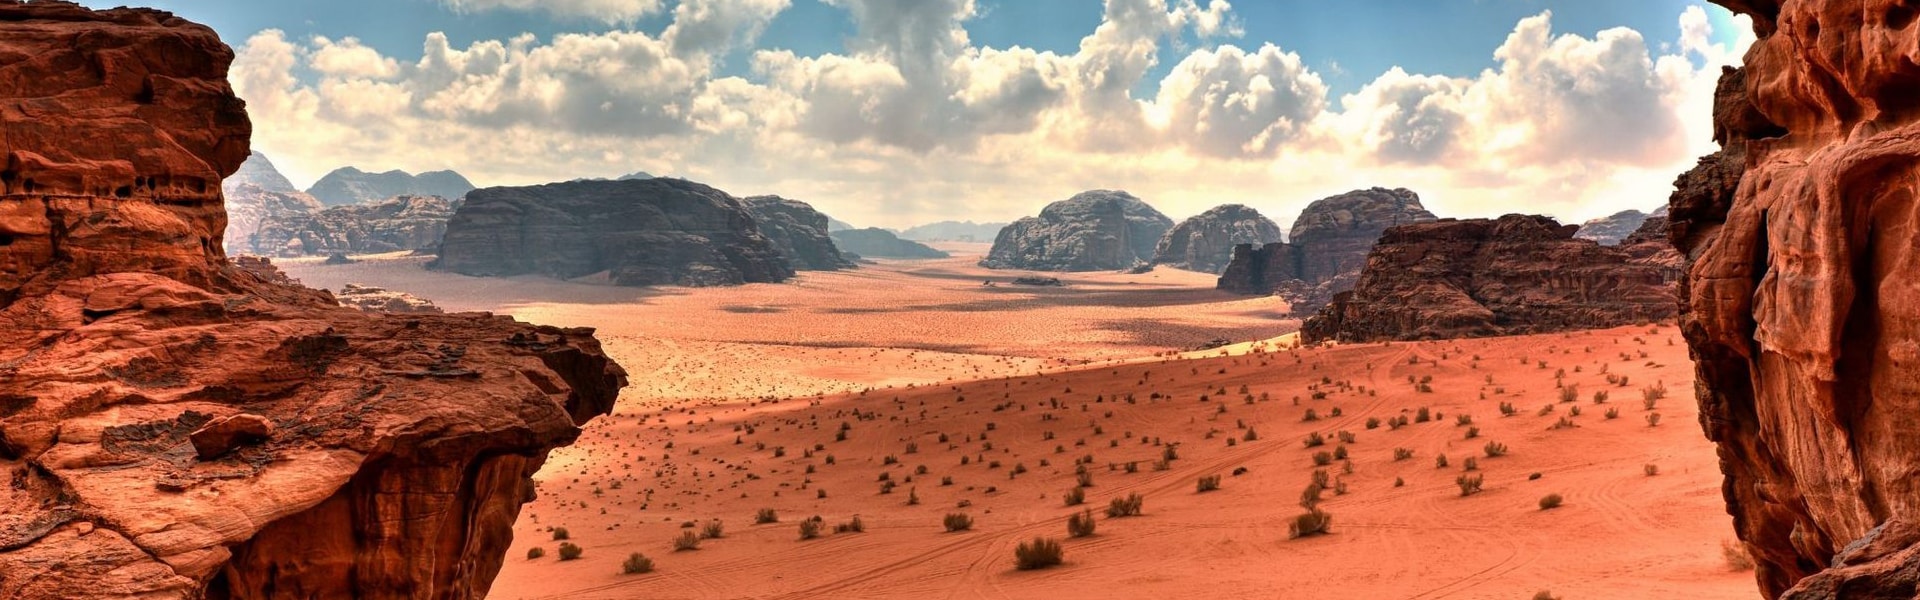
(175,426)
(1801,305)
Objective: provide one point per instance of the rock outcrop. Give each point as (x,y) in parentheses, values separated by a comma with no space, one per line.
(644,232)
(405,223)
(139,368)
(1611,229)
(1519,274)
(348,185)
(798,231)
(1205,241)
(1326,249)
(378,299)
(874,242)
(953,231)
(1099,230)
(258,171)
(258,196)
(1801,299)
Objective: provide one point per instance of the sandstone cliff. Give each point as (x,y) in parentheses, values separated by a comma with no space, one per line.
(397,224)
(175,426)
(798,231)
(1099,230)
(638,232)
(1801,301)
(1205,241)
(1325,250)
(1518,274)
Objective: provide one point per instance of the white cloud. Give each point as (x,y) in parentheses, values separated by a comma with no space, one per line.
(609,11)
(914,122)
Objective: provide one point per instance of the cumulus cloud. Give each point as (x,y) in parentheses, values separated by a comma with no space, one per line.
(915,122)
(609,11)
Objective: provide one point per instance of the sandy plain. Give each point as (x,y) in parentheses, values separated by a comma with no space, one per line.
(987,400)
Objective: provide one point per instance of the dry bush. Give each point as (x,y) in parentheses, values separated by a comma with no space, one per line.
(957,522)
(1469,484)
(1550,501)
(536,552)
(1129,506)
(1080,525)
(765,515)
(636,564)
(1208,483)
(1736,554)
(568,551)
(713,529)
(688,540)
(1311,523)
(1038,554)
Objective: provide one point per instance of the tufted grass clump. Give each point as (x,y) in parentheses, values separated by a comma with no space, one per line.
(957,522)
(569,551)
(688,540)
(1080,525)
(810,528)
(1040,553)
(1207,483)
(713,529)
(1129,506)
(636,564)
(1312,523)
(765,515)
(1469,484)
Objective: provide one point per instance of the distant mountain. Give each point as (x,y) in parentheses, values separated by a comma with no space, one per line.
(259,172)
(838,225)
(348,185)
(635,175)
(874,242)
(954,231)
(1609,230)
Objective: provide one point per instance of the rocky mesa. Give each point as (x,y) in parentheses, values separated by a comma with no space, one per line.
(1325,250)
(1518,274)
(659,231)
(1801,300)
(1205,242)
(175,426)
(798,231)
(1098,230)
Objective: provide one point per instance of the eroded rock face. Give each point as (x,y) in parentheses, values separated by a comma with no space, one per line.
(1519,274)
(1611,229)
(252,209)
(405,223)
(1205,241)
(638,232)
(1802,307)
(378,457)
(347,186)
(798,231)
(378,299)
(1326,248)
(874,242)
(1099,230)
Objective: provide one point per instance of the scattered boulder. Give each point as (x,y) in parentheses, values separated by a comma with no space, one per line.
(1098,230)
(643,232)
(1205,242)
(347,185)
(223,434)
(1519,274)
(1611,229)
(874,242)
(798,231)
(121,317)
(1326,249)
(1799,303)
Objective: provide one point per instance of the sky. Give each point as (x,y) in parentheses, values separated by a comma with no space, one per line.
(900,112)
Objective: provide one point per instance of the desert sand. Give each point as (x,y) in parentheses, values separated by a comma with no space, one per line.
(740,396)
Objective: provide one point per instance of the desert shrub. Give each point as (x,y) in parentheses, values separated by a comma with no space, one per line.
(1469,484)
(1440,461)
(1544,595)
(1076,496)
(1470,464)
(1311,523)
(1423,415)
(536,552)
(853,526)
(765,515)
(1651,469)
(957,522)
(1322,458)
(560,534)
(636,564)
(1402,453)
(1550,501)
(1251,435)
(1600,397)
(1314,439)
(1573,411)
(1346,437)
(1125,507)
(569,551)
(1081,524)
(1310,416)
(1736,554)
(1339,452)
(1208,483)
(1373,422)
(1569,393)
(1037,554)
(1462,420)
(1495,449)
(810,528)
(688,540)
(713,529)
(1653,419)
(1613,413)
(1473,432)
(1507,409)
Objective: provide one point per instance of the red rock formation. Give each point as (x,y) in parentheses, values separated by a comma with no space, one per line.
(1326,249)
(1518,274)
(399,448)
(1803,311)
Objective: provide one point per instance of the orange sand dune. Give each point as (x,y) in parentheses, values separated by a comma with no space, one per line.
(693,441)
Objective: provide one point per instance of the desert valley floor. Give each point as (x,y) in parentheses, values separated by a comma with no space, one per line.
(986,400)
